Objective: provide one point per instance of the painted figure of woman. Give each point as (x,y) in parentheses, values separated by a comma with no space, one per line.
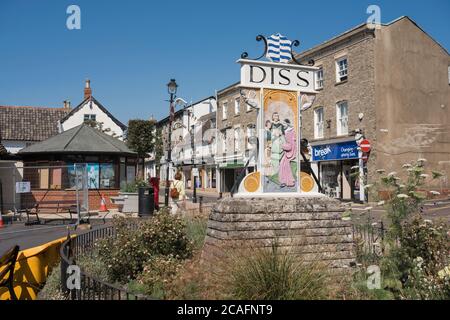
(268,148)
(277,135)
(290,151)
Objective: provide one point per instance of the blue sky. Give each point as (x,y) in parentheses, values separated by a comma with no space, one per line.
(130,49)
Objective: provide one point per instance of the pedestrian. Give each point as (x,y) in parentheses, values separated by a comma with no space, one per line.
(154,182)
(177,193)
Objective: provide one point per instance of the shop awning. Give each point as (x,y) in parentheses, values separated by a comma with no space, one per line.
(231,165)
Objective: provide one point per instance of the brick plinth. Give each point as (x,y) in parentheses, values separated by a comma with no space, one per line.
(311,227)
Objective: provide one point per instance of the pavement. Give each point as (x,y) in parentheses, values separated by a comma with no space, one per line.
(207,197)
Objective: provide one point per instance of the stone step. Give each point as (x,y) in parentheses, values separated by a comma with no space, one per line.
(279,225)
(261,234)
(276,216)
(299,244)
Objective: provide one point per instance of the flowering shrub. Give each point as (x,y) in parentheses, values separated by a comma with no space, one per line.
(417,250)
(424,253)
(424,285)
(127,253)
(428,241)
(166,235)
(158,272)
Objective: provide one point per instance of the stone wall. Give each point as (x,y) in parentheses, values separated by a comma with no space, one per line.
(311,227)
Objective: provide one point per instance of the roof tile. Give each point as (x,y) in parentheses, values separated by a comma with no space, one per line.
(29,123)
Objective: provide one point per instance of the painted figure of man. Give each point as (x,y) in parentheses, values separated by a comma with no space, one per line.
(277,135)
(290,151)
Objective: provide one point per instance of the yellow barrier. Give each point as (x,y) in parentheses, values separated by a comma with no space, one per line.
(32,268)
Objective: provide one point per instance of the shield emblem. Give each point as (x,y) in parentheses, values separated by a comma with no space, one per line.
(279,48)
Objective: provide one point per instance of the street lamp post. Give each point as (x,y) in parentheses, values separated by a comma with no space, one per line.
(194,197)
(172,90)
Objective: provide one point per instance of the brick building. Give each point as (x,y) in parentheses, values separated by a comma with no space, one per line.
(390,85)
(236,122)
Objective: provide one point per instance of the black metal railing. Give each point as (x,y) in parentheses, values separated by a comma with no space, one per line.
(90,288)
(369,238)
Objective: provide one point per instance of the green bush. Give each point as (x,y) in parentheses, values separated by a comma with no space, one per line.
(127,253)
(273,274)
(133,187)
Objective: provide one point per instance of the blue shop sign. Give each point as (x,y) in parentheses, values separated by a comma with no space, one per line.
(335,151)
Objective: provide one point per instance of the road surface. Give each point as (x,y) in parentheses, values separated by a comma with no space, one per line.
(32,236)
(433,210)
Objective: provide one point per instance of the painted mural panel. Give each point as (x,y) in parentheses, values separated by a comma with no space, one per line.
(93,175)
(280,156)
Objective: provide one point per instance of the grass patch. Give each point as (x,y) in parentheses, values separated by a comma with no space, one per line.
(196,230)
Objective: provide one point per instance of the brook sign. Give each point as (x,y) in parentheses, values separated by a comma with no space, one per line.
(337,151)
(270,75)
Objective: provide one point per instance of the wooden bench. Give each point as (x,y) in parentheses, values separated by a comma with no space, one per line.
(69,206)
(7,265)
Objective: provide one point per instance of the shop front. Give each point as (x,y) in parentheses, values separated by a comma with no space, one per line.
(338,167)
(207,178)
(229,173)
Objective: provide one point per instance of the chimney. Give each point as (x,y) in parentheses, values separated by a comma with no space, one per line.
(87,89)
(66,104)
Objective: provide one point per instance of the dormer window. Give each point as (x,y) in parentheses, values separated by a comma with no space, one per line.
(90,117)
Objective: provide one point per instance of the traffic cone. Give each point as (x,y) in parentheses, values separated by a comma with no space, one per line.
(1,221)
(103,205)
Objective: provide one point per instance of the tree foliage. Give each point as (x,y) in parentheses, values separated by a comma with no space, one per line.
(141,136)
(159,149)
